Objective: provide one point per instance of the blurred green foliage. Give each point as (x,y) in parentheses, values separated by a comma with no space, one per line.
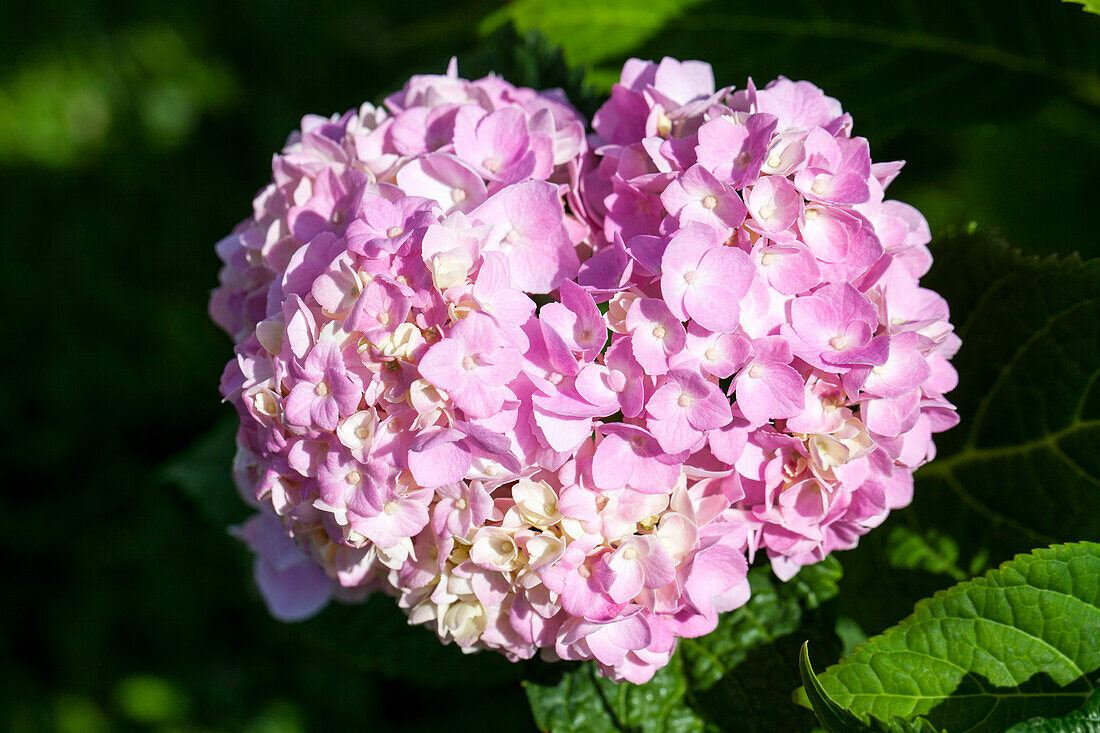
(60,109)
(133,135)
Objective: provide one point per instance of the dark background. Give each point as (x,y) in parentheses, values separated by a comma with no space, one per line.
(133,135)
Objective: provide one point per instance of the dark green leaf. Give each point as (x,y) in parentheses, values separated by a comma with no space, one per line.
(584,702)
(204,472)
(376,637)
(976,172)
(738,677)
(1085,719)
(1022,468)
(984,654)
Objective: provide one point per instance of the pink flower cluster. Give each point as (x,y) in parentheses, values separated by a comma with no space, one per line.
(732,355)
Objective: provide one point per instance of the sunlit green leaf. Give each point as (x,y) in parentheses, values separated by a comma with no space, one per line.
(836,719)
(1092,6)
(590,32)
(1016,643)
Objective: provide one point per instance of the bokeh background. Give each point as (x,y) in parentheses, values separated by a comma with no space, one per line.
(134,134)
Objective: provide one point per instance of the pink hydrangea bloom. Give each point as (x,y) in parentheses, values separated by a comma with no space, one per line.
(732,359)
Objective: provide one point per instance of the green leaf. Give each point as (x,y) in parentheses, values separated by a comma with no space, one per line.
(376,637)
(984,654)
(204,472)
(1085,719)
(1022,469)
(972,173)
(738,677)
(1092,6)
(590,32)
(583,702)
(836,719)
(931,552)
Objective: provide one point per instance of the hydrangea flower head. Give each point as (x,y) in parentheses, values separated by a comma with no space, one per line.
(554,393)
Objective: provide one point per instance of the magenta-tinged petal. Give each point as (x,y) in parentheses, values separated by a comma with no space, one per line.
(799,105)
(445,179)
(401,516)
(655,334)
(599,385)
(829,232)
(623,577)
(294,594)
(892,416)
(675,433)
(769,391)
(904,369)
(713,295)
(727,443)
(684,408)
(297,404)
(527,227)
(774,204)
(613,463)
(324,413)
(680,264)
(790,268)
(683,81)
(654,560)
(716,570)
(611,643)
(589,329)
(720,142)
(437,458)
(563,433)
(293,586)
(443,366)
